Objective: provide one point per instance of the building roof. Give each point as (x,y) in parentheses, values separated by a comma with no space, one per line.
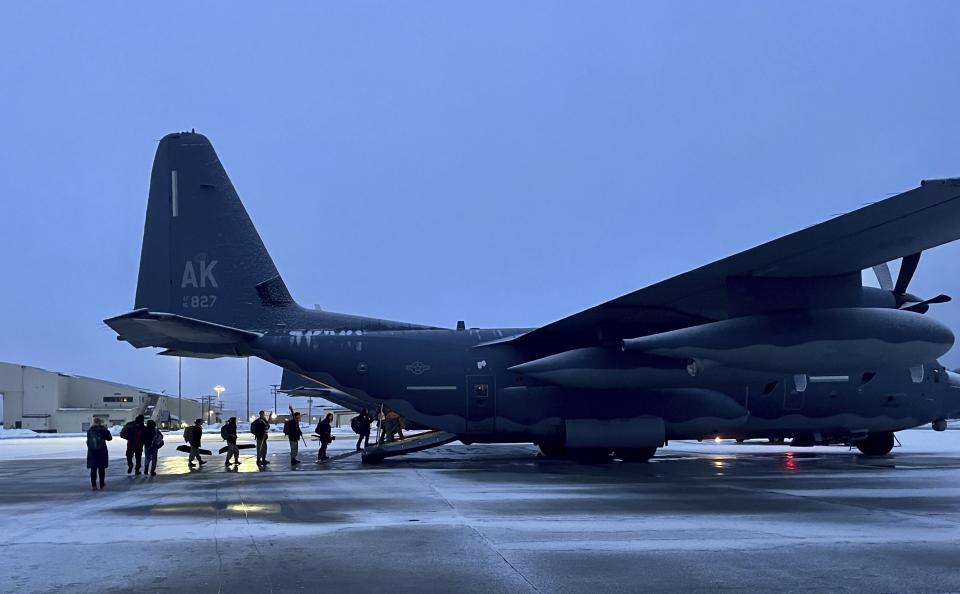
(146,391)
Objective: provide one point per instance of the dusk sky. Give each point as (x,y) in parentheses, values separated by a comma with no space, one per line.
(503,163)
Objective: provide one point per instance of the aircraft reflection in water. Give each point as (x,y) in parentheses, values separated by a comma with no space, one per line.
(782,340)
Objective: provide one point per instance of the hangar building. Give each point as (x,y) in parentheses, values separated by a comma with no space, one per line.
(48,401)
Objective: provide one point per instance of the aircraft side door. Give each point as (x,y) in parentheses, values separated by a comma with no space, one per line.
(481,403)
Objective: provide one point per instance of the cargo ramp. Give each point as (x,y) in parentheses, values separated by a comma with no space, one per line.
(408,445)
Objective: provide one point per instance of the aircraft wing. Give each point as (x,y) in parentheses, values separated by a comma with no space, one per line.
(179,334)
(829,255)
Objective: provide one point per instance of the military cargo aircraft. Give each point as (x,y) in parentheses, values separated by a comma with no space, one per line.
(783,340)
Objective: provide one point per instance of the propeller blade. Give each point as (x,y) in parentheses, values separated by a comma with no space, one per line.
(923,306)
(883,276)
(907,267)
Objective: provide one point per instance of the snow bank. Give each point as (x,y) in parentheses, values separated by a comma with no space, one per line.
(12,433)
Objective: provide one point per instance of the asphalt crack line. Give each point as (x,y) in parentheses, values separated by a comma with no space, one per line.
(476,531)
(216,541)
(253,540)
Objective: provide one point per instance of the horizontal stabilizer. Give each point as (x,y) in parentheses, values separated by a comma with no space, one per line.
(144,328)
(190,354)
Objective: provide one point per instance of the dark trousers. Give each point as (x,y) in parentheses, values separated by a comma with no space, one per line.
(323,449)
(151,459)
(98,472)
(262,449)
(131,452)
(365,438)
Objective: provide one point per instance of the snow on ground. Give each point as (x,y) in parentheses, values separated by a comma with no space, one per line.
(702,516)
(74,445)
(15,446)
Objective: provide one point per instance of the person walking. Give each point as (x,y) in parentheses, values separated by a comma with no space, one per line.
(361,425)
(133,433)
(193,435)
(293,432)
(324,431)
(229,433)
(152,442)
(261,429)
(98,458)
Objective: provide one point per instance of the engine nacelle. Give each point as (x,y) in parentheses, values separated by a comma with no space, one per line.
(813,341)
(607,368)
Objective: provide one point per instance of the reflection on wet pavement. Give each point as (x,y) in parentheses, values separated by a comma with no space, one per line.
(487,518)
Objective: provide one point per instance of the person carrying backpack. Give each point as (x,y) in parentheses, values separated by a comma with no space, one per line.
(293,432)
(260,429)
(229,434)
(98,458)
(324,430)
(133,433)
(152,442)
(192,435)
(361,426)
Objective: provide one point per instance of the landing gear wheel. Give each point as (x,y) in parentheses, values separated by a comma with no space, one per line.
(588,455)
(636,454)
(552,449)
(876,444)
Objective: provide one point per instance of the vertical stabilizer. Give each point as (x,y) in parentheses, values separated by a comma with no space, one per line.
(201,255)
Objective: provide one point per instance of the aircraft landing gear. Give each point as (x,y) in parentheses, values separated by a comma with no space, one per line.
(557,451)
(875,444)
(552,449)
(636,454)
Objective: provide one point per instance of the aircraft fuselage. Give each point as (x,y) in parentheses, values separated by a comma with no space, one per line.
(442,379)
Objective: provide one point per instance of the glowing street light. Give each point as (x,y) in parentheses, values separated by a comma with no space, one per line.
(219,390)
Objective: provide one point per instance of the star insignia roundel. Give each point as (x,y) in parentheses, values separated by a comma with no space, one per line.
(418,367)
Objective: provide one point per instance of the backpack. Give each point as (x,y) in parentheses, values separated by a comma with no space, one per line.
(223,433)
(157,440)
(357,425)
(125,432)
(286,428)
(95,440)
(188,433)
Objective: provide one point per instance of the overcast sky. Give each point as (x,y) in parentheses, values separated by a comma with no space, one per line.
(504,163)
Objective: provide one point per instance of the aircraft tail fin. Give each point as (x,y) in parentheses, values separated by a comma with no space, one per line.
(202,258)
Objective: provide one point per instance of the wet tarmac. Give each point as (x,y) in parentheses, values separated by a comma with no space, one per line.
(493,518)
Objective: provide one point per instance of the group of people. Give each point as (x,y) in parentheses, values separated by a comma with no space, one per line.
(294,433)
(141,438)
(147,438)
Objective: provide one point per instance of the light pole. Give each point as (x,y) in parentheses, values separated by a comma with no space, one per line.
(275,388)
(219,389)
(180,390)
(248,387)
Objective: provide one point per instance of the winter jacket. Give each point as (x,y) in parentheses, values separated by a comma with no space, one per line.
(292,430)
(365,421)
(229,433)
(133,433)
(98,457)
(323,430)
(195,436)
(150,435)
(259,428)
